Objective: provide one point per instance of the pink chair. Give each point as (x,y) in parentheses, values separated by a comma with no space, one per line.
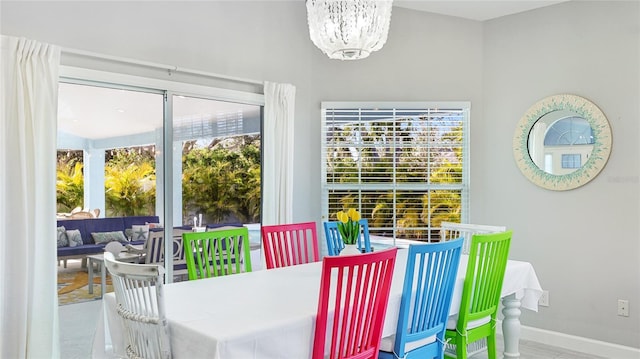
(355,289)
(290,244)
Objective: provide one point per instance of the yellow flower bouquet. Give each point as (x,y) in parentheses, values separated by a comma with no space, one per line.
(349,225)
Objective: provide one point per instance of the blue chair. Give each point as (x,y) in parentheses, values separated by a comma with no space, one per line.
(334,241)
(426,298)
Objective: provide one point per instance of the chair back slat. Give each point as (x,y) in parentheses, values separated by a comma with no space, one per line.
(334,240)
(475,327)
(484,277)
(290,244)
(426,298)
(356,290)
(140,306)
(217,253)
(451,230)
(154,247)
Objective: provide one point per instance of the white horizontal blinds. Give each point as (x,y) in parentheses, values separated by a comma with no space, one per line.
(402,167)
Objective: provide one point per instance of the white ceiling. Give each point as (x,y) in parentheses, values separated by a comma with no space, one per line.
(93,112)
(479,10)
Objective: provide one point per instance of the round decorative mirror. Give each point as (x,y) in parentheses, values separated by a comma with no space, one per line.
(562,142)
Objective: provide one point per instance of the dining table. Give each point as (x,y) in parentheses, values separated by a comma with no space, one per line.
(271,313)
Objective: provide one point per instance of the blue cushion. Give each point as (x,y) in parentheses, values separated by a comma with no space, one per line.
(76,224)
(130,221)
(95,225)
(179,266)
(80,250)
(161,229)
(86,226)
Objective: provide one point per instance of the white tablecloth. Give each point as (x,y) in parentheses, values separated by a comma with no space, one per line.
(271,313)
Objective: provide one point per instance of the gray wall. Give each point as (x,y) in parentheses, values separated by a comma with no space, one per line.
(583,243)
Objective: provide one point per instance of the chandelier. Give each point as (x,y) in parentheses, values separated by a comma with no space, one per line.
(349,29)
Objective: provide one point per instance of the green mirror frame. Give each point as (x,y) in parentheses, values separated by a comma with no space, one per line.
(594,164)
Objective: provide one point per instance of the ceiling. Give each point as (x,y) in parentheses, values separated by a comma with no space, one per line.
(479,10)
(94,113)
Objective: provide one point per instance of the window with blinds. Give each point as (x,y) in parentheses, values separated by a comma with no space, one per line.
(404,166)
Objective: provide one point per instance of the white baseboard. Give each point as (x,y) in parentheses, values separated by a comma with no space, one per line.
(575,343)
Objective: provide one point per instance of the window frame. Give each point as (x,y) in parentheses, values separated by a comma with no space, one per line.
(359,186)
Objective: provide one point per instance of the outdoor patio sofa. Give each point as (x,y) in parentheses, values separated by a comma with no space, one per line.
(97,225)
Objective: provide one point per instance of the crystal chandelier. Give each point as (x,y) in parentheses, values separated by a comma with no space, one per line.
(349,29)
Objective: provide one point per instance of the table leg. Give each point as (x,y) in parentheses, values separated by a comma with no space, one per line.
(103,278)
(90,284)
(511,326)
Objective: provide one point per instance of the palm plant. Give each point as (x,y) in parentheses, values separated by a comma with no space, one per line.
(250,195)
(223,180)
(209,189)
(130,191)
(69,186)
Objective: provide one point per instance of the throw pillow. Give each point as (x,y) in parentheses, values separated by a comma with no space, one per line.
(63,241)
(106,237)
(139,232)
(75,238)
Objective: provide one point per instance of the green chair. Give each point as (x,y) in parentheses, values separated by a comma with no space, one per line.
(476,319)
(217,253)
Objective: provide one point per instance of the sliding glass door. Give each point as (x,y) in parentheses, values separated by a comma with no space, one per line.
(112,160)
(217,154)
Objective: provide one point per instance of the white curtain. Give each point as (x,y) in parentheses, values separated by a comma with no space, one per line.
(28,110)
(277,189)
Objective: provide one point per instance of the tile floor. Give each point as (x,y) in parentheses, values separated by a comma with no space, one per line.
(79,321)
(77,328)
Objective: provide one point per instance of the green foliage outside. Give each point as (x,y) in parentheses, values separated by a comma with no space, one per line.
(425,157)
(130,182)
(70,181)
(222,180)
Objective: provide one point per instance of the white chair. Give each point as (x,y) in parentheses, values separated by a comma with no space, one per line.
(153,251)
(450,230)
(140,306)
(156,254)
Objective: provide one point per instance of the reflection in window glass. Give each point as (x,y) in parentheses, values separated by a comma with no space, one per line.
(548,163)
(569,131)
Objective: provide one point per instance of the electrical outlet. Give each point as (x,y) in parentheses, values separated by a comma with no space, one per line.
(623,308)
(544,299)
